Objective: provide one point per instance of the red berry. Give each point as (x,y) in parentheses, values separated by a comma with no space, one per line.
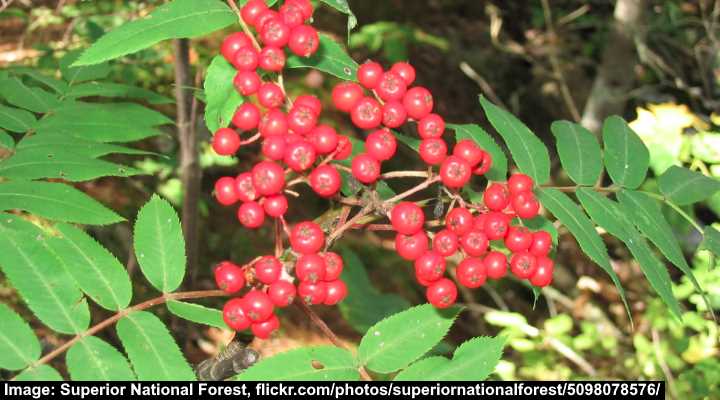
(299,155)
(430,266)
(336,292)
(445,242)
(366,114)
(369,74)
(455,172)
(459,220)
(518,239)
(282,293)
(275,205)
(251,10)
(433,151)
(523,264)
(263,330)
(225,191)
(270,95)
(496,197)
(273,123)
(268,178)
(484,166)
(469,150)
(304,40)
(474,243)
(229,277)
(247,82)
(344,148)
(291,15)
(275,33)
(407,218)
(365,168)
(244,187)
(324,139)
(471,272)
(304,5)
(273,147)
(495,264)
(267,269)
(246,117)
(232,43)
(394,114)
(544,273)
(405,70)
(391,86)
(333,265)
(272,59)
(235,316)
(496,225)
(246,59)
(325,180)
(541,244)
(301,119)
(307,237)
(312,292)
(309,101)
(346,95)
(381,145)
(431,126)
(410,247)
(226,142)
(258,306)
(418,102)
(525,205)
(310,268)
(251,215)
(265,16)
(519,183)
(442,294)
(479,221)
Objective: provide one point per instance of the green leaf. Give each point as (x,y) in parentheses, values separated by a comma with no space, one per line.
(19,346)
(197,313)
(528,151)
(55,201)
(92,359)
(343,7)
(15,119)
(606,213)
(45,286)
(49,142)
(56,85)
(152,351)
(59,163)
(6,141)
(220,93)
(75,73)
(683,187)
(330,58)
(364,305)
(30,98)
(94,268)
(570,215)
(579,151)
(409,141)
(39,373)
(177,19)
(400,339)
(711,240)
(626,157)
(109,89)
(159,245)
(322,363)
(474,360)
(498,169)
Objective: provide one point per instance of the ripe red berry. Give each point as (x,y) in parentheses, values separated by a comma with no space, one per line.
(469,150)
(324,139)
(246,59)
(232,43)
(433,151)
(543,273)
(365,168)
(519,183)
(418,102)
(410,247)
(263,330)
(495,264)
(273,147)
(459,220)
(273,123)
(474,243)
(344,148)
(251,10)
(369,74)
(291,14)
(275,205)
(251,215)
(407,218)
(235,316)
(244,187)
(333,265)
(391,86)
(445,242)
(523,264)
(381,145)
(299,155)
(518,239)
(405,70)
(275,33)
(525,205)
(267,269)
(442,294)
(496,225)
(431,126)
(541,244)
(268,178)
(270,95)
(479,221)
(394,114)
(229,277)
(309,101)
(496,197)
(246,117)
(484,166)
(307,237)
(226,142)
(304,40)
(455,172)
(325,180)
(346,95)
(312,292)
(272,59)
(366,114)
(301,119)
(310,268)
(225,191)
(336,292)
(257,305)
(430,266)
(265,16)
(282,293)
(471,272)
(247,82)
(304,5)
